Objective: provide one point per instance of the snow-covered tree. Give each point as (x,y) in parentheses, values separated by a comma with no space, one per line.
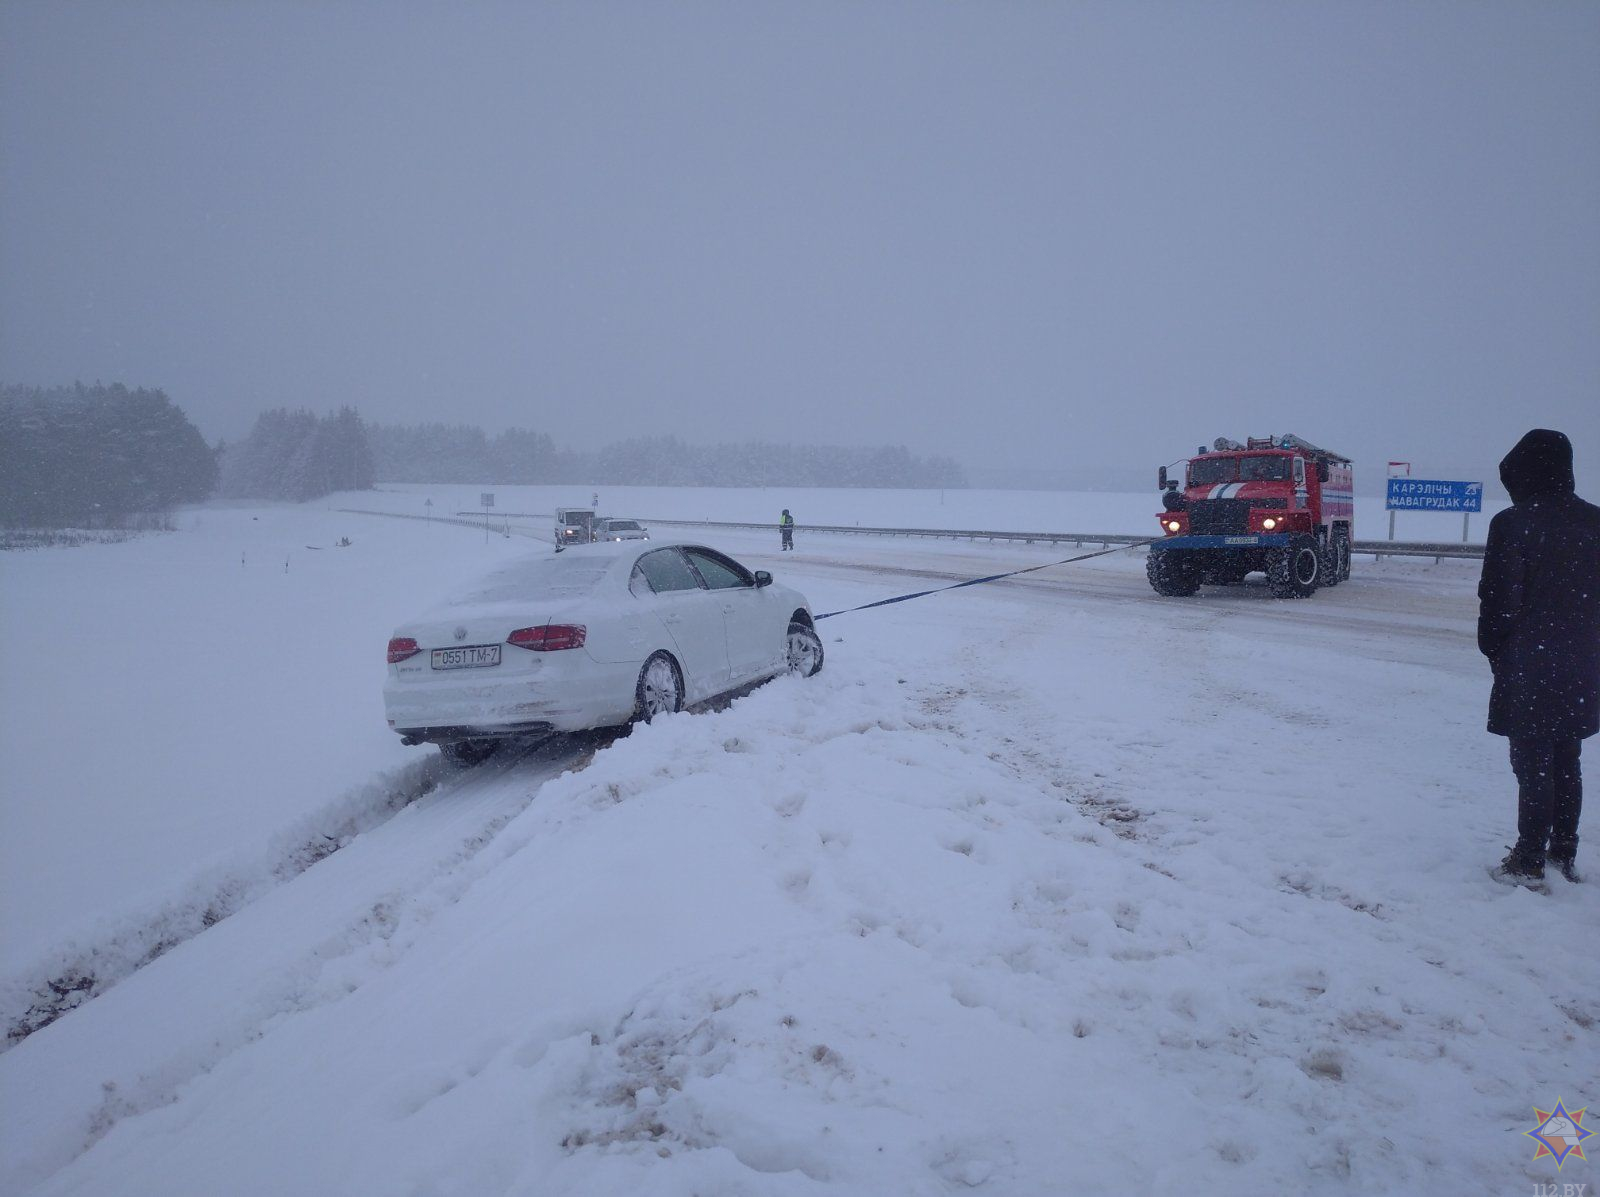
(92,456)
(297,455)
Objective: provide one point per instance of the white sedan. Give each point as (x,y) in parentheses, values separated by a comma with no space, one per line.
(619,529)
(596,636)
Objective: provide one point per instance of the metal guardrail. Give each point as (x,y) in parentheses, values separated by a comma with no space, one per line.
(496,523)
(1402,548)
(1372,548)
(1104,540)
(428,519)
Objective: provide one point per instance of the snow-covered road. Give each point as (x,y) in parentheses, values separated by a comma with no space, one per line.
(1046,886)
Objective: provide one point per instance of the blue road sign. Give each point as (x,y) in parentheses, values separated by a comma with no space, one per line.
(1423,494)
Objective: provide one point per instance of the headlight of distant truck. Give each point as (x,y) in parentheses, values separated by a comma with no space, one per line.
(1269,523)
(1173,525)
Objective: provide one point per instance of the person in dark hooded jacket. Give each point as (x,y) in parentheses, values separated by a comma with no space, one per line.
(1539,625)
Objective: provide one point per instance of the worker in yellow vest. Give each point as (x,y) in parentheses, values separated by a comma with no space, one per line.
(786,528)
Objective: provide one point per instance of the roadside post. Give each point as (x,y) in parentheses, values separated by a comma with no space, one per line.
(486,501)
(1434,494)
(1397,469)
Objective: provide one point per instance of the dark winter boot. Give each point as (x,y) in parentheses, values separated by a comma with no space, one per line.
(1520,867)
(1565,858)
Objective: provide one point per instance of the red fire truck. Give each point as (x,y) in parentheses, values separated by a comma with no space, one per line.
(1276,505)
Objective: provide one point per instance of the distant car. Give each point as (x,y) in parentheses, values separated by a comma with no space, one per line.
(596,636)
(615,529)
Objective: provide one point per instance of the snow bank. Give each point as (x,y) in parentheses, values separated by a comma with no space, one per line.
(1046,886)
(84,965)
(178,710)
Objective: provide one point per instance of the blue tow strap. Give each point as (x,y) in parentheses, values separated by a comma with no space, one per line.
(902,598)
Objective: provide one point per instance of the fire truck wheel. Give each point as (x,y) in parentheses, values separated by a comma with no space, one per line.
(1336,561)
(1330,563)
(1173,575)
(1294,572)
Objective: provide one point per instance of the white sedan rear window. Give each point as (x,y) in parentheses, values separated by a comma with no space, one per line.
(546,579)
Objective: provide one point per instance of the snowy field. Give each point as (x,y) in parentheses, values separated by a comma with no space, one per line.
(1043,887)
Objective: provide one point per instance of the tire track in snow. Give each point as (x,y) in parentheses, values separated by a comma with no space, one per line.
(82,969)
(278,955)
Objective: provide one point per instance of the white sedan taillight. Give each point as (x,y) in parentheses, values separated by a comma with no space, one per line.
(549,637)
(401,648)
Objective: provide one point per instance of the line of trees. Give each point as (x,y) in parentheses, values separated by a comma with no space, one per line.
(298,455)
(95,456)
(462,453)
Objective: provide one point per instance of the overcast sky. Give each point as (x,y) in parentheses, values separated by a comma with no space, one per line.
(1078,236)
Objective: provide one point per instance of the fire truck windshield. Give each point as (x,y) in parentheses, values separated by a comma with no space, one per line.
(1263,469)
(1207,471)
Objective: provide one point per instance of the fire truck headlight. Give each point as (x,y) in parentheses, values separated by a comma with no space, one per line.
(1269,523)
(1173,525)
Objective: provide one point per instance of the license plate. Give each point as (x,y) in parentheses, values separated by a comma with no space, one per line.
(473,656)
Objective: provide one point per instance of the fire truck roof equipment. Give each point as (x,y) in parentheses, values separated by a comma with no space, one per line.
(1290,441)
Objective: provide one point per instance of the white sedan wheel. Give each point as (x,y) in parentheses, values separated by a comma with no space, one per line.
(660,688)
(803,650)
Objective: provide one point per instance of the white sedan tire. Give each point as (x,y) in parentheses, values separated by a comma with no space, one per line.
(660,688)
(803,650)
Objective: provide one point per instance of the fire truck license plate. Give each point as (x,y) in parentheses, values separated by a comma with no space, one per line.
(1238,540)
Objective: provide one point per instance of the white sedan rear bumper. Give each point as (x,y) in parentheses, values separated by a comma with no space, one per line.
(565,695)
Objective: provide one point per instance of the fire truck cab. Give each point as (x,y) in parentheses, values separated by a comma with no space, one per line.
(1274,505)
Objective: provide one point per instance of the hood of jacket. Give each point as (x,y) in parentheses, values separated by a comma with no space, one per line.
(1539,464)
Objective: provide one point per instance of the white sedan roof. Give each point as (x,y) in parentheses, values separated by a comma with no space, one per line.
(582,572)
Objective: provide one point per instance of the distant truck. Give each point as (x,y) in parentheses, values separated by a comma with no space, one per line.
(1274,505)
(574,525)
